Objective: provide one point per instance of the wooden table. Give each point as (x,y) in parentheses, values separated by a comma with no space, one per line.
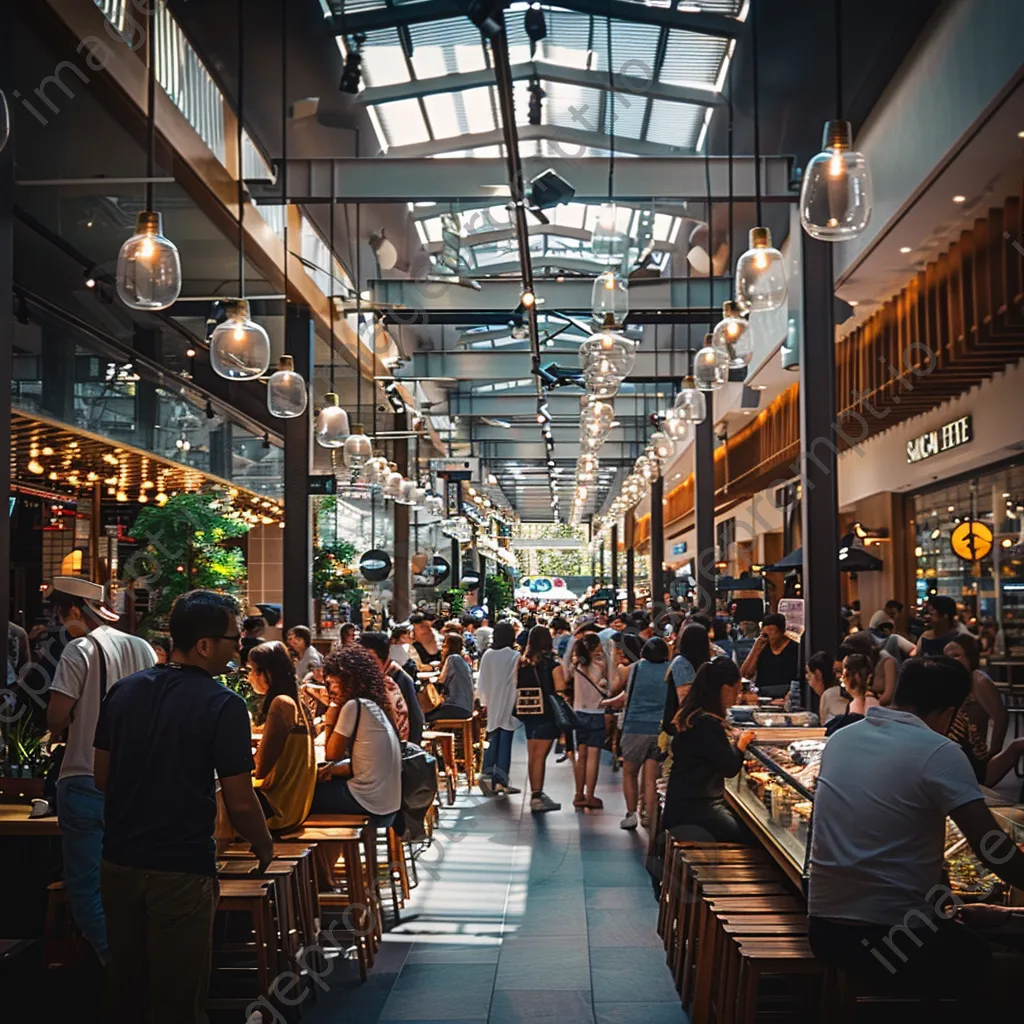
(14,821)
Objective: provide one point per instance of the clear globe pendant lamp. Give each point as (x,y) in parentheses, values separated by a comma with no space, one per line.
(710,366)
(835,197)
(732,333)
(608,354)
(239,347)
(609,300)
(676,426)
(286,391)
(148,266)
(690,403)
(760,275)
(664,447)
(357,448)
(597,417)
(605,240)
(601,386)
(331,423)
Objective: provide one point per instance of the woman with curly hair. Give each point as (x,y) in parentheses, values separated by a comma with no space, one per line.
(363,774)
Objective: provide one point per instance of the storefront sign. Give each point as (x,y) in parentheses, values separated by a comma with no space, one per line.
(679,549)
(942,439)
(793,610)
(322,484)
(971,541)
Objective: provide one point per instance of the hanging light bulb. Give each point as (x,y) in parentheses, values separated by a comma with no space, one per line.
(605,240)
(148,266)
(607,355)
(610,299)
(357,448)
(760,274)
(835,198)
(690,403)
(710,366)
(645,468)
(597,418)
(331,423)
(732,333)
(286,391)
(676,426)
(599,386)
(664,447)
(239,347)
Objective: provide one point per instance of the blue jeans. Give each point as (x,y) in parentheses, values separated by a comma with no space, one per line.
(332,796)
(80,814)
(498,755)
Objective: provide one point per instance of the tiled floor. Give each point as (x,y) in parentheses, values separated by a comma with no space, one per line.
(520,918)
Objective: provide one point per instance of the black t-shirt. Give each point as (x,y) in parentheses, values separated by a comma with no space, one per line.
(776,671)
(703,757)
(837,723)
(425,656)
(543,675)
(168,729)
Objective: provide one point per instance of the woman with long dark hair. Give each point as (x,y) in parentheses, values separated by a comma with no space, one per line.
(285,760)
(538,669)
(363,774)
(703,757)
(691,650)
(590,688)
(497,688)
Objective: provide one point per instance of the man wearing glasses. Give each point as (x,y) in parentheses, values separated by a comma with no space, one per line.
(162,736)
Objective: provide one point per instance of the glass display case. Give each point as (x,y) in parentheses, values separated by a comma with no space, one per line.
(774,794)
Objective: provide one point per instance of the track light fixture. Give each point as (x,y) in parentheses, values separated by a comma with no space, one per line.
(536,95)
(352,73)
(535,25)
(486,15)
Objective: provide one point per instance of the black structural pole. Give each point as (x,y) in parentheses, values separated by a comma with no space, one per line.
(820,501)
(630,544)
(401,594)
(704,512)
(615,566)
(7,83)
(297,555)
(657,541)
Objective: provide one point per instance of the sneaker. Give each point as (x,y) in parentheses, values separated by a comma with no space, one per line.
(542,803)
(629,821)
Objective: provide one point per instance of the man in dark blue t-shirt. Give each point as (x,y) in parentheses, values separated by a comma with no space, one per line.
(161,736)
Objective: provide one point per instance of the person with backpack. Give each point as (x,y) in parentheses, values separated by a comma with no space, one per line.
(93,661)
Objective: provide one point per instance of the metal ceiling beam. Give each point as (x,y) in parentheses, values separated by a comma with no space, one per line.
(404,178)
(704,23)
(481,366)
(556,133)
(632,86)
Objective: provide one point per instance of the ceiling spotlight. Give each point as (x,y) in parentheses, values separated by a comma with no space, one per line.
(904,249)
(486,15)
(549,189)
(535,25)
(536,95)
(190,352)
(959,199)
(352,72)
(527,299)
(90,279)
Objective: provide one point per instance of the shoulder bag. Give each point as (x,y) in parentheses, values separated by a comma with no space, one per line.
(529,699)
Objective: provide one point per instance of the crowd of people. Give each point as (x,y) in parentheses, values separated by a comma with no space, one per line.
(154,740)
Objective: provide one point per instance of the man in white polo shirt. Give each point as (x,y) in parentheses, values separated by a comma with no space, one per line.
(878,906)
(89,665)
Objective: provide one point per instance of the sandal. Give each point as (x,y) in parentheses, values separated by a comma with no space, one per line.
(579,801)
(595,803)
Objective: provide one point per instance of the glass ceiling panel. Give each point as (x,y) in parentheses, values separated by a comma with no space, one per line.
(692,59)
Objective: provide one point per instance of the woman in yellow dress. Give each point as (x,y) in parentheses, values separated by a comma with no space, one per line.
(285,758)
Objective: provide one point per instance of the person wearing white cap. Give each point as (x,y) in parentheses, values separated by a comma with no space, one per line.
(96,658)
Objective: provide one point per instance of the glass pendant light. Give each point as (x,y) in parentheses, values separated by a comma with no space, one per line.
(148,265)
(605,240)
(597,418)
(676,426)
(690,404)
(732,333)
(608,354)
(610,299)
(664,447)
(331,423)
(710,366)
(835,198)
(760,275)
(239,347)
(599,386)
(286,391)
(357,448)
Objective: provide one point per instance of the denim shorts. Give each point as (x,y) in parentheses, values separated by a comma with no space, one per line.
(591,732)
(540,728)
(637,747)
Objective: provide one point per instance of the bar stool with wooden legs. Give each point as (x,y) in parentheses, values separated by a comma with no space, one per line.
(749,959)
(465,758)
(253,897)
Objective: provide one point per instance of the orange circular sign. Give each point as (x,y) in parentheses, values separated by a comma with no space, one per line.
(971,541)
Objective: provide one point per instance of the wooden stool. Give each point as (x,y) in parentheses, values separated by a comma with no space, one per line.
(751,959)
(462,729)
(63,945)
(286,895)
(442,746)
(252,896)
(711,956)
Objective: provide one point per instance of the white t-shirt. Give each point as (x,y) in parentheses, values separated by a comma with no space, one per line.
(831,704)
(588,690)
(885,788)
(376,758)
(496,685)
(483,635)
(78,675)
(399,654)
(311,659)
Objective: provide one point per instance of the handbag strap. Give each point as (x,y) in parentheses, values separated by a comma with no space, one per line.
(580,671)
(103,666)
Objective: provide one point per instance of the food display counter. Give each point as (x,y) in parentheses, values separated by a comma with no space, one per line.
(774,795)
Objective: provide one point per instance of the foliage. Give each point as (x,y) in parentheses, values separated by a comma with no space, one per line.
(333,575)
(185,548)
(24,754)
(239,682)
(456,600)
(499,592)
(561,562)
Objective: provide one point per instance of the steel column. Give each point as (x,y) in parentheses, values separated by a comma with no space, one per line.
(820,502)
(615,565)
(401,601)
(704,511)
(630,541)
(297,549)
(7,83)
(657,553)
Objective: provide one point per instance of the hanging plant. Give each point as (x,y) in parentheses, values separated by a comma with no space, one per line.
(332,575)
(499,592)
